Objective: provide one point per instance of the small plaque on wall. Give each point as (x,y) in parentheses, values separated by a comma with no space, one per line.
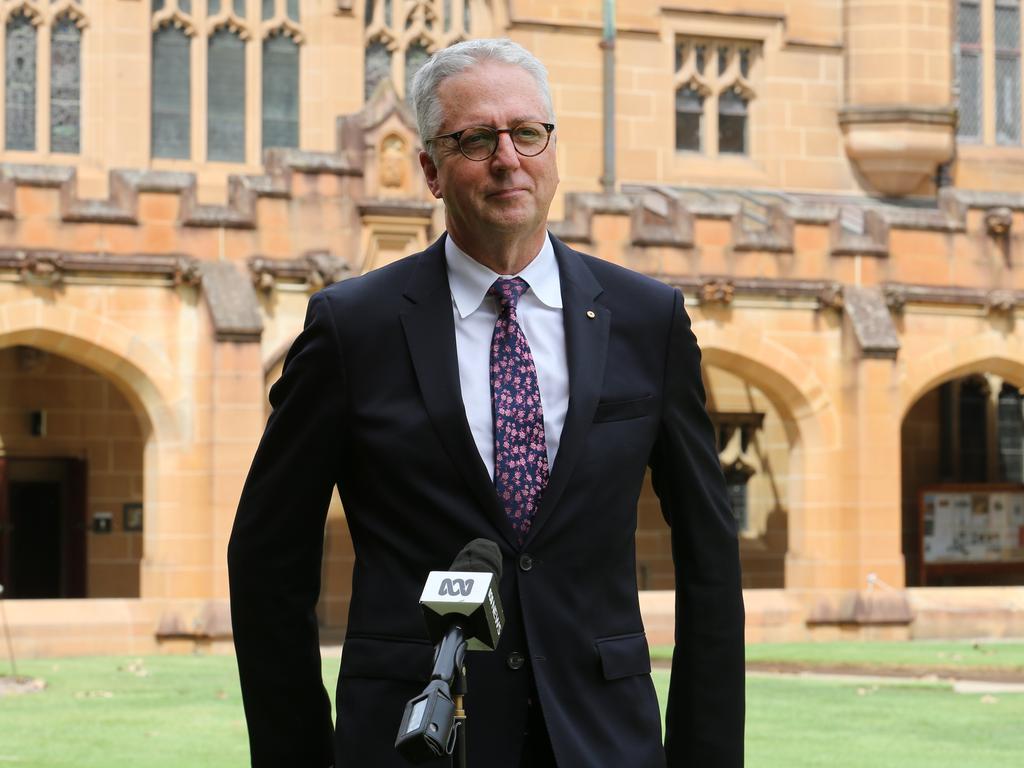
(133,516)
(102,522)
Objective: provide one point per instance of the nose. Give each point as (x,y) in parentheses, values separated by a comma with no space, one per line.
(505,156)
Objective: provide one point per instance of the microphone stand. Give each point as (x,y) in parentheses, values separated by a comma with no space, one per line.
(459,690)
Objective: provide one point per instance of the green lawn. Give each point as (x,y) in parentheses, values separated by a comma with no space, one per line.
(951,655)
(174,711)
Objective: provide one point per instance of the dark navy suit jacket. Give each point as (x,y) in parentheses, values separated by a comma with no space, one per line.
(370,400)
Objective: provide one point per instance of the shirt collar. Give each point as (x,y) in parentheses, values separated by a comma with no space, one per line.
(469,279)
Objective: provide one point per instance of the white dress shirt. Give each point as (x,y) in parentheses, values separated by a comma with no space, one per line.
(540,316)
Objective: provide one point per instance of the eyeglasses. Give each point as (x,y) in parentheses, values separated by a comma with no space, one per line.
(480,142)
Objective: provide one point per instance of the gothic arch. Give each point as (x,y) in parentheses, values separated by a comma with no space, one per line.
(105,346)
(988,352)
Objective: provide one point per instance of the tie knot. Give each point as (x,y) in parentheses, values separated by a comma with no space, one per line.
(508,291)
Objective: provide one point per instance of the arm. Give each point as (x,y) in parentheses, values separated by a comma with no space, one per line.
(274,555)
(704,721)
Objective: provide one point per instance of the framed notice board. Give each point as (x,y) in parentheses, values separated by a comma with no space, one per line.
(971,529)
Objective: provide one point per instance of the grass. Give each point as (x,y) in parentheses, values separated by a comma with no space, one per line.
(922,653)
(173,711)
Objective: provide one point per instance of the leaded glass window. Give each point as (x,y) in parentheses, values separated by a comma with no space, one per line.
(225,107)
(969,69)
(293,10)
(213,7)
(1007,38)
(974,395)
(239,7)
(20,81)
(268,9)
(689,115)
(1010,428)
(280,92)
(732,123)
(415,57)
(65,86)
(378,67)
(171,91)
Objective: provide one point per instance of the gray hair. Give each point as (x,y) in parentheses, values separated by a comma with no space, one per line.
(458,58)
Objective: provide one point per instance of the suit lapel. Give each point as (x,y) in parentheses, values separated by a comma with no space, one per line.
(586,343)
(430,333)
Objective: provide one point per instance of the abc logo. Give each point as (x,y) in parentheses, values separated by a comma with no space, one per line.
(456,587)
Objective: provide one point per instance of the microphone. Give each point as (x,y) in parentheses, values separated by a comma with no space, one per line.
(462,611)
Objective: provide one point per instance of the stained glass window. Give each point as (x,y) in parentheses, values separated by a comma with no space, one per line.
(378,67)
(20,80)
(415,57)
(280,92)
(65,86)
(170,131)
(225,107)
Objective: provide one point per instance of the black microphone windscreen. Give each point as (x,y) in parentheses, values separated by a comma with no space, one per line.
(480,555)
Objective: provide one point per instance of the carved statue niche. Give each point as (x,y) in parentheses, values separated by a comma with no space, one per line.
(394,164)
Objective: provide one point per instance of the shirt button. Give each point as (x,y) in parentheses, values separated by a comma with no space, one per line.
(515,660)
(525,562)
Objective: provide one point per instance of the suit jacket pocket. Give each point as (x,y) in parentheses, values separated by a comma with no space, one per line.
(620,410)
(624,655)
(387,658)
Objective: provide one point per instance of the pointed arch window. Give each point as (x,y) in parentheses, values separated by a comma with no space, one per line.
(225,107)
(400,36)
(280,92)
(689,115)
(65,86)
(20,83)
(713,95)
(416,56)
(732,123)
(171,93)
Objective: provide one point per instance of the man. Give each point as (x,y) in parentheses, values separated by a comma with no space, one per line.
(496,385)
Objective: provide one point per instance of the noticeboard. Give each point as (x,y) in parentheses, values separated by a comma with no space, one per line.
(972,526)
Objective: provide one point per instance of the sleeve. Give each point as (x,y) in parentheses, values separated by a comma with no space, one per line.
(275,550)
(705,713)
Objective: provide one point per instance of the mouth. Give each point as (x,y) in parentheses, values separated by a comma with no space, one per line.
(506,194)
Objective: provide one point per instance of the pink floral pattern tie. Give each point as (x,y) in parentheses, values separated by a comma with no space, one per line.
(520,451)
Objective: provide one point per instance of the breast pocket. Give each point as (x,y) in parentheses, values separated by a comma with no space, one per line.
(620,410)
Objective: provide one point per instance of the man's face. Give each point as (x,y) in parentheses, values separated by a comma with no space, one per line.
(506,193)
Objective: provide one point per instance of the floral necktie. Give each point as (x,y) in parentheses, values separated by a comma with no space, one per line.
(520,451)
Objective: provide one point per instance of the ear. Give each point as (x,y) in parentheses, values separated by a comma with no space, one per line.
(430,174)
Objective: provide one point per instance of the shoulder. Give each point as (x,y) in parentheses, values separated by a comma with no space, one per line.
(618,285)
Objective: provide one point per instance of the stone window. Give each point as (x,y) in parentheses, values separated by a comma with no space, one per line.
(987,87)
(713,91)
(1007,45)
(20,81)
(280,91)
(1010,429)
(65,85)
(226,28)
(225,93)
(400,35)
(171,82)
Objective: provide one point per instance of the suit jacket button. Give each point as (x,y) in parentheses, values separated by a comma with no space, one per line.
(525,562)
(515,660)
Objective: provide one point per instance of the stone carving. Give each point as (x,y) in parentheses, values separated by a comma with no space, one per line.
(394,162)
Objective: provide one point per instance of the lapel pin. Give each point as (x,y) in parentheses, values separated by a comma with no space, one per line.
(591,314)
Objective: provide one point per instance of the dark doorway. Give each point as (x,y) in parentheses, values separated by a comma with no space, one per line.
(42,528)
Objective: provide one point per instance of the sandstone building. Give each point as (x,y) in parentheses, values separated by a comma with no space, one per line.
(837,188)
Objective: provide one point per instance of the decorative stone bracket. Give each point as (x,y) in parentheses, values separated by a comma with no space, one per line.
(896,147)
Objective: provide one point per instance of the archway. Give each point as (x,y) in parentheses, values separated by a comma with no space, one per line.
(113,358)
